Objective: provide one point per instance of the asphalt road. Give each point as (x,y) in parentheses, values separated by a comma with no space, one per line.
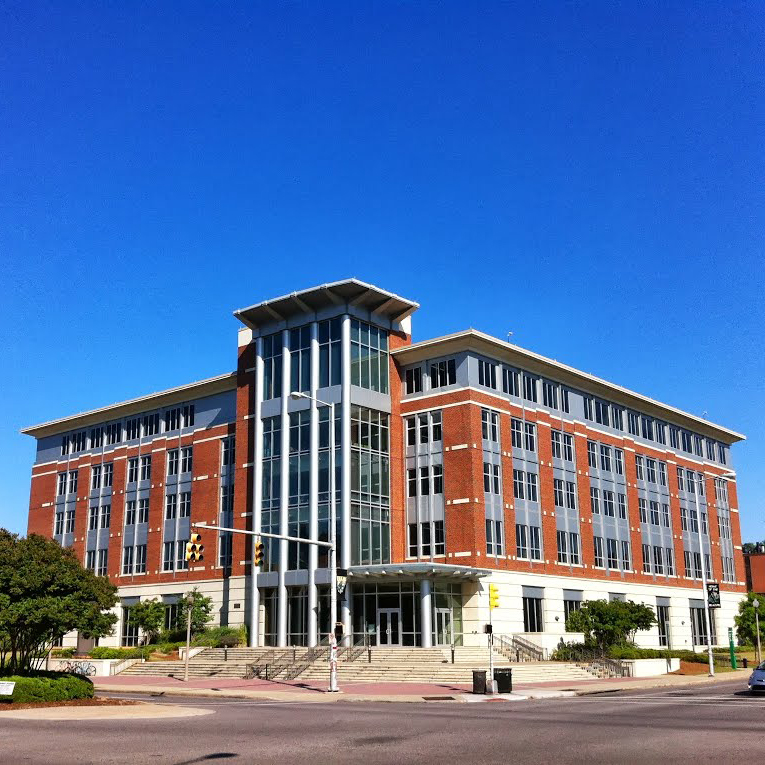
(717,724)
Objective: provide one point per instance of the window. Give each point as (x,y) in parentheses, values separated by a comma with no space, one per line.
(626,557)
(151,424)
(64,445)
(685,440)
(172,419)
(272,366)
(532,615)
(113,433)
(127,560)
(692,565)
(435,421)
(612,553)
(521,541)
(592,454)
(511,382)
(61,486)
(490,426)
(95,477)
(225,550)
(602,412)
(722,454)
(93,518)
(132,471)
(491,478)
(642,510)
(654,507)
(529,388)
(300,358)
(673,437)
(103,556)
(663,473)
(622,504)
(669,559)
(650,466)
(658,560)
(721,491)
(608,503)
(646,559)
(516,431)
(619,461)
(598,547)
(665,515)
(605,458)
(639,470)
(58,526)
(171,506)
(568,547)
(697,446)
(108,474)
(143,510)
(595,499)
(562,445)
(186,459)
(369,356)
(564,400)
(556,438)
(188,416)
(617,417)
(662,618)
(413,380)
(130,512)
(558,492)
(78,441)
(438,479)
(699,626)
(106,516)
(661,432)
(494,541)
(424,481)
(422,420)
(587,407)
(531,439)
(140,559)
(129,636)
(531,487)
(172,462)
(168,556)
(90,560)
(549,394)
(633,423)
(72,482)
(527,540)
(69,521)
(96,437)
(443,373)
(487,374)
(570,605)
(710,450)
(646,428)
(570,495)
(146,467)
(228,451)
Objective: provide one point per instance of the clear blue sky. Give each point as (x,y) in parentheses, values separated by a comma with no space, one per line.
(586,175)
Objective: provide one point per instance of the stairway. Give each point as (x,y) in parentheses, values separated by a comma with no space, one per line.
(398,664)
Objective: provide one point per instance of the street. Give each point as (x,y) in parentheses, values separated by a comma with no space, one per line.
(719,723)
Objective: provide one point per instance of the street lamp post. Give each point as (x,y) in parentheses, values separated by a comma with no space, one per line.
(756,604)
(333,687)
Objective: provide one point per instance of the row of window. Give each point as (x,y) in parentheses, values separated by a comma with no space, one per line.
(436,539)
(650,429)
(141,426)
(653,512)
(608,505)
(658,560)
(440,373)
(523,385)
(430,480)
(646,470)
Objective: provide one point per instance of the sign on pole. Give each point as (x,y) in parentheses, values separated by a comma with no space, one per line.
(342,579)
(713,595)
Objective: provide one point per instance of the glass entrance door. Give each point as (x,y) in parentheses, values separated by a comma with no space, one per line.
(444,632)
(388,626)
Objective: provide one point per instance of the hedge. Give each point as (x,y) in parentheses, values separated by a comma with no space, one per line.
(48,686)
(104,652)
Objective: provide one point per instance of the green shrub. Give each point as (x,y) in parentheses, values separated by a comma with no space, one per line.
(168,647)
(105,652)
(49,686)
(222,637)
(63,653)
(571,651)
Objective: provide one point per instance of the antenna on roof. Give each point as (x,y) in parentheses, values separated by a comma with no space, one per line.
(509,335)
(705,413)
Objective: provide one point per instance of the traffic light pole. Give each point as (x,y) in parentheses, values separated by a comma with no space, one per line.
(189,605)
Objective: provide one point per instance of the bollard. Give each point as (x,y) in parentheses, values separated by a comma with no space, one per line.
(452,653)
(225,654)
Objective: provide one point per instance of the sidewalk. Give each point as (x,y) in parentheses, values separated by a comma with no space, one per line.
(265,690)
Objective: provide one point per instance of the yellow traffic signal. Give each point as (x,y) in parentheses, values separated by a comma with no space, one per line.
(493,596)
(258,553)
(194,548)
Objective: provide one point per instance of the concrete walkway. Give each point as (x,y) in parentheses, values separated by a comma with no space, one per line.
(315,692)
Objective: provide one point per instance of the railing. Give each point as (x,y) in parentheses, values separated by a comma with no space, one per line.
(291,671)
(361,646)
(518,649)
(260,668)
(593,660)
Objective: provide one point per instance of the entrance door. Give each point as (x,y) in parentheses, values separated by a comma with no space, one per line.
(444,634)
(388,626)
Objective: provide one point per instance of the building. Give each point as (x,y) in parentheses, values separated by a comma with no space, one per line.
(754,567)
(461,460)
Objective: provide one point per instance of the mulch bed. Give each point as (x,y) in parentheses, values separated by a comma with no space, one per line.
(72,703)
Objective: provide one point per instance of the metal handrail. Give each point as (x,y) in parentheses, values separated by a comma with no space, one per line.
(518,649)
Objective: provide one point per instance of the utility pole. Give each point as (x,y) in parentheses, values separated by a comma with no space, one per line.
(189,604)
(756,604)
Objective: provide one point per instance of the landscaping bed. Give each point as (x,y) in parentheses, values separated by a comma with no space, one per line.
(71,703)
(46,687)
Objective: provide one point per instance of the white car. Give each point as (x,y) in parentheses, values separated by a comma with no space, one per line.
(757,679)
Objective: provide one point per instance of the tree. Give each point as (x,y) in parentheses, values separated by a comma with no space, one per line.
(45,593)
(149,617)
(201,611)
(752,547)
(605,623)
(746,629)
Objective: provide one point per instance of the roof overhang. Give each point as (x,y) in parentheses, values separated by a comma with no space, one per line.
(208,387)
(348,292)
(417,571)
(479,342)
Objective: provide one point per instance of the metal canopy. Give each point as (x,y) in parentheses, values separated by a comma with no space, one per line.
(416,571)
(349,292)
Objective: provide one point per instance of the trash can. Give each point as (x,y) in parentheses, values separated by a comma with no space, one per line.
(479,681)
(745,662)
(504,679)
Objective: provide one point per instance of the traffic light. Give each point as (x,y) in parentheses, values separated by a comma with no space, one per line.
(258,553)
(194,548)
(493,596)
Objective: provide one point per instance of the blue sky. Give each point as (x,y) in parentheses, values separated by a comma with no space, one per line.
(587,176)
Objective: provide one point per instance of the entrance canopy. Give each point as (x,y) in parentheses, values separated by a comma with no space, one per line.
(358,574)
